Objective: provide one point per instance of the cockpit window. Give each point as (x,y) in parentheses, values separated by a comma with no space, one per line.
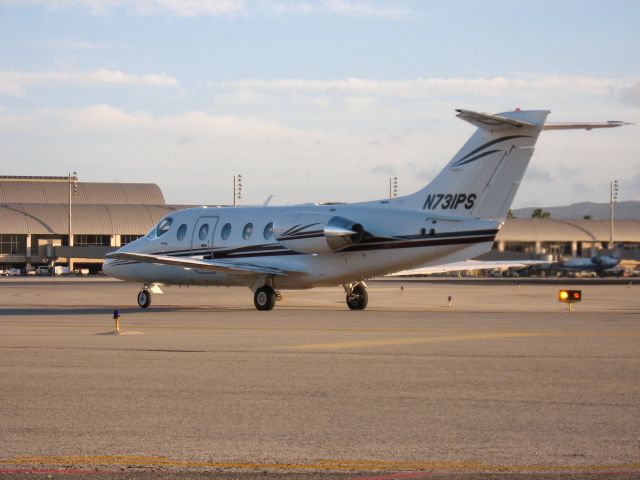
(163,226)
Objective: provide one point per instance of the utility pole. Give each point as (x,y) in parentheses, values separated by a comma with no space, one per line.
(73,190)
(613,199)
(393,187)
(237,189)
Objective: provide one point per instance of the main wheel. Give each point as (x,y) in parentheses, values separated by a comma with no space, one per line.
(144,298)
(265,298)
(358,298)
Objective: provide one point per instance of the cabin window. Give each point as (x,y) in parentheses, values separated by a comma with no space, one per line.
(164,226)
(268,231)
(226,231)
(182,231)
(247,231)
(204,230)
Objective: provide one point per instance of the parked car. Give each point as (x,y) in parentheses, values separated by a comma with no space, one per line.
(11,272)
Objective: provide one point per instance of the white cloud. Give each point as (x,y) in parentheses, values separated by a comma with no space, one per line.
(631,94)
(183,8)
(16,83)
(536,174)
(194,8)
(75,45)
(365,9)
(291,7)
(426,87)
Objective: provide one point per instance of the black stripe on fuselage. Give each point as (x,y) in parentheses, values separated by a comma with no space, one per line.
(372,243)
(420,243)
(296,229)
(488,144)
(474,158)
(298,236)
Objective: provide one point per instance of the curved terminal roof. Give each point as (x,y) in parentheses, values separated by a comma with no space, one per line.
(569,230)
(39,219)
(40,206)
(57,192)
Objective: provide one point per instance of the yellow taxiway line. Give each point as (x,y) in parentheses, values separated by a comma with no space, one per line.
(384,342)
(320,465)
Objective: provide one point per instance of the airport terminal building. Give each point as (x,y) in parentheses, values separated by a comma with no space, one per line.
(37,213)
(35,218)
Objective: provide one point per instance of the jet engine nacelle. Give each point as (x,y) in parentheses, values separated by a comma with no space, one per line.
(317,232)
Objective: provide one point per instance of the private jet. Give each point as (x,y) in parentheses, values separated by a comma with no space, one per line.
(601,265)
(268,249)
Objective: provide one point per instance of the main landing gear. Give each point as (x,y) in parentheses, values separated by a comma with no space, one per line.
(357,297)
(265,297)
(144,297)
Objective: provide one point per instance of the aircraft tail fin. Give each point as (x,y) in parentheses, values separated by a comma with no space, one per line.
(483,177)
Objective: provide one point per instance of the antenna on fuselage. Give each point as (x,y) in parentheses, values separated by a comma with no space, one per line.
(266,202)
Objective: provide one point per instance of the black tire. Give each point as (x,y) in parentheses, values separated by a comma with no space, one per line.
(265,298)
(358,298)
(144,298)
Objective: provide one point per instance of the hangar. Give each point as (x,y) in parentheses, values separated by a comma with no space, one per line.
(38,216)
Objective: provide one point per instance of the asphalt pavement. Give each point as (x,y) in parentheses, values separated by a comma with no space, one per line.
(504,383)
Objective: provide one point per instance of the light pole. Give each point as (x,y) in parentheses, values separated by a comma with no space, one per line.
(73,190)
(237,189)
(393,187)
(613,199)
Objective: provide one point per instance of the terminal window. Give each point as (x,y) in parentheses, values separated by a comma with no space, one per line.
(92,240)
(13,244)
(124,239)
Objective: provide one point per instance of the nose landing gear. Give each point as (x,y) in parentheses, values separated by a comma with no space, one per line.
(357,297)
(144,298)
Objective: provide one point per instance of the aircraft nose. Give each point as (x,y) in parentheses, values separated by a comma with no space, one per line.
(107,266)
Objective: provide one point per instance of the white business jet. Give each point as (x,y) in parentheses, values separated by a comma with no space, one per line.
(454,218)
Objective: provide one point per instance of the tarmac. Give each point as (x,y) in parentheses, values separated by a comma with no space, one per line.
(504,383)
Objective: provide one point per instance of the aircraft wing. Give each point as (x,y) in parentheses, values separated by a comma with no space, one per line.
(223,266)
(467,265)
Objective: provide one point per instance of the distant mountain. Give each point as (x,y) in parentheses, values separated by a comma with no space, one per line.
(626,210)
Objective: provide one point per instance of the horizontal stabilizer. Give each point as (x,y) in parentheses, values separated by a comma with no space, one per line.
(486,121)
(583,125)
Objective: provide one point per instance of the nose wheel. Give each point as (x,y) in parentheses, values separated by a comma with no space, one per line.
(144,298)
(265,298)
(357,297)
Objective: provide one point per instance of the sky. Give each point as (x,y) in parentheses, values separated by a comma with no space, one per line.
(313,100)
